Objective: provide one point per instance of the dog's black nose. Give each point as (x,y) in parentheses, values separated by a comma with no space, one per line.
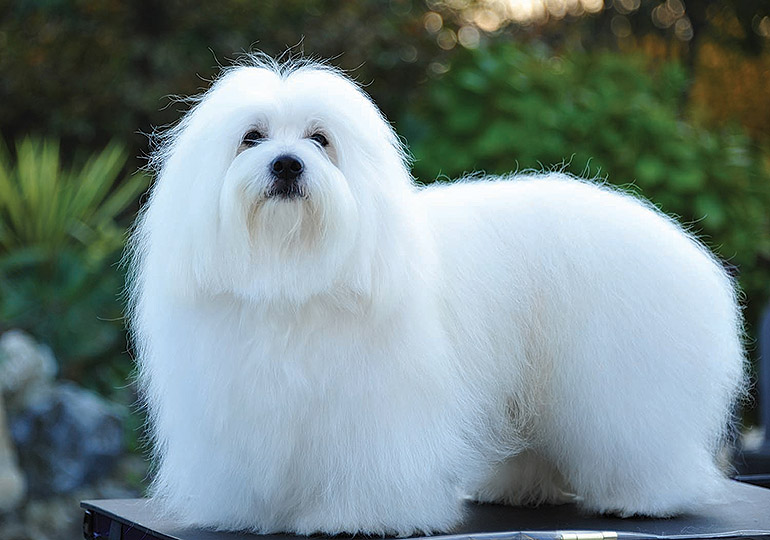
(287,167)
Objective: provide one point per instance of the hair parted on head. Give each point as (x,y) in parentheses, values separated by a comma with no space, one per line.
(284,66)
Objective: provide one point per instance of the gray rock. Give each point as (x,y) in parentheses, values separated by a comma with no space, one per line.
(13,486)
(59,517)
(23,364)
(66,437)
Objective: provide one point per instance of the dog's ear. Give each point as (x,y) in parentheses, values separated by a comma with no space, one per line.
(376,166)
(381,154)
(191,160)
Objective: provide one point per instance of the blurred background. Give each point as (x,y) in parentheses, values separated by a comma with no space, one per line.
(669,99)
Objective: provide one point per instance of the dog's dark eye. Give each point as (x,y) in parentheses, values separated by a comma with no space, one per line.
(320,139)
(253,138)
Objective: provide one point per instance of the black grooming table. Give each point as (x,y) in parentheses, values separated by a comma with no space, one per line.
(743,512)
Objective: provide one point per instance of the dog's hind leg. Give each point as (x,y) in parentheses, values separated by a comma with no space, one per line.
(524,479)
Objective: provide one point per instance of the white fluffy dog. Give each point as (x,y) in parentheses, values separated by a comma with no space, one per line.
(326,347)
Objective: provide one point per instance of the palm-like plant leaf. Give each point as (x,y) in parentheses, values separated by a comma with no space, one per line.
(44,205)
(60,238)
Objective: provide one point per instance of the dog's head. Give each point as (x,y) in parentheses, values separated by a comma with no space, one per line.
(279,182)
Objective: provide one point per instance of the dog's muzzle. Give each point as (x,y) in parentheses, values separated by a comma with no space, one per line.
(286,171)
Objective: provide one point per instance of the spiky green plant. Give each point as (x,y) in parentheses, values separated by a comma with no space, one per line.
(47,207)
(60,240)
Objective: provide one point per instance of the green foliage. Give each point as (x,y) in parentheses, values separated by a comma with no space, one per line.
(60,241)
(90,71)
(503,108)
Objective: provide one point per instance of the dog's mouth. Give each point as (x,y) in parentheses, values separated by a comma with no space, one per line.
(286,191)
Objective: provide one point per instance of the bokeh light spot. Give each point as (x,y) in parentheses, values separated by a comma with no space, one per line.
(620,26)
(432,22)
(683,29)
(446,39)
(468,37)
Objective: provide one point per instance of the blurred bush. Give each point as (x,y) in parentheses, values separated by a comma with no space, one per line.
(60,241)
(730,86)
(504,108)
(90,71)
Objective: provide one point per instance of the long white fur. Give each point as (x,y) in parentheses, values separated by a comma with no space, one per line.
(362,358)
